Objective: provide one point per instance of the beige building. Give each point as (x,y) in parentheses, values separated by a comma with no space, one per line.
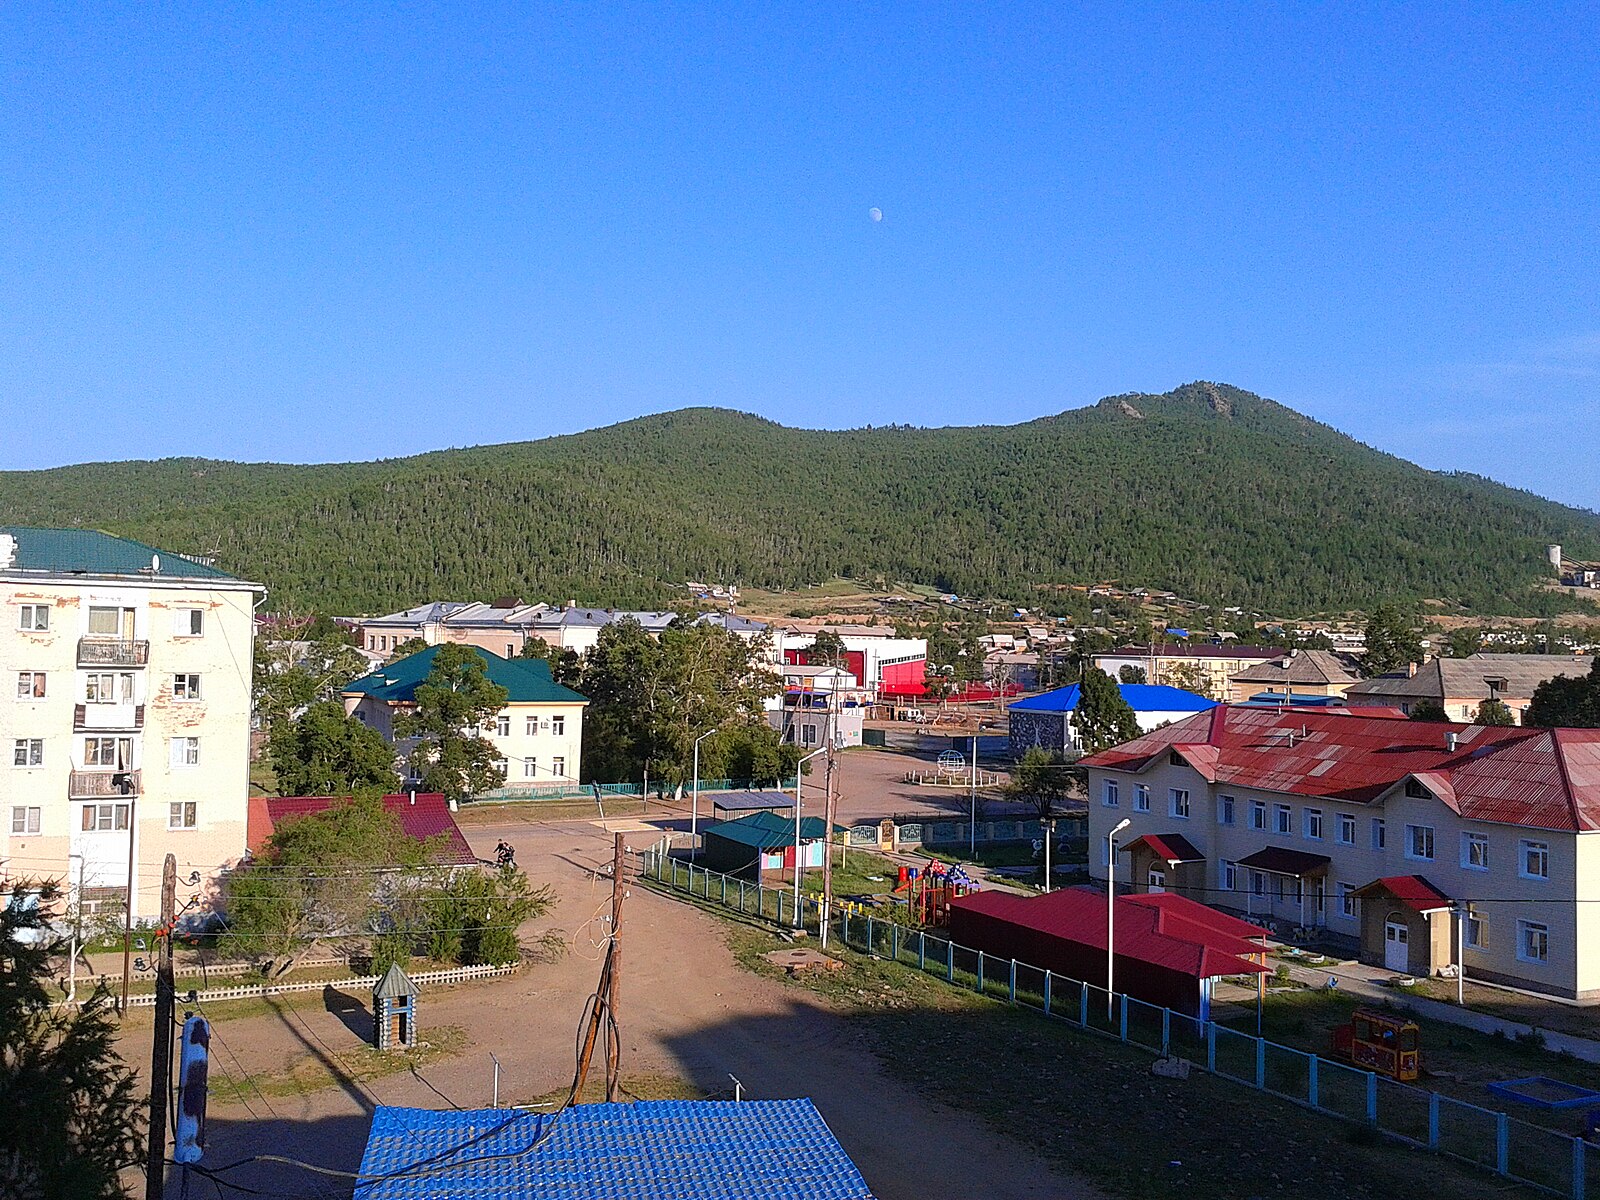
(1459,685)
(1295,673)
(126,713)
(539,733)
(1387,838)
(1203,667)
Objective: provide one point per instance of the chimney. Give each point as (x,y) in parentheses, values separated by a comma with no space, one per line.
(413,795)
(1411,670)
(1452,739)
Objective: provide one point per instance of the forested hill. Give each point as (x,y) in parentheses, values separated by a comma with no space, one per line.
(1207,490)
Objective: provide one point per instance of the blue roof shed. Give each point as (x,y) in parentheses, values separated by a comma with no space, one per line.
(1141,697)
(650,1150)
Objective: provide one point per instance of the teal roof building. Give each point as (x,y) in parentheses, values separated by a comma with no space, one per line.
(526,680)
(89,552)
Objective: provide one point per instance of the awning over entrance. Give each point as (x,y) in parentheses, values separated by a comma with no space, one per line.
(1415,892)
(1275,860)
(1172,848)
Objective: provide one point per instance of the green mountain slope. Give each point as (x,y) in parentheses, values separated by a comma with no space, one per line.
(1207,490)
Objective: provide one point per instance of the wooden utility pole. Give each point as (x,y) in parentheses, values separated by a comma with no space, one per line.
(161,1041)
(602,1016)
(827,859)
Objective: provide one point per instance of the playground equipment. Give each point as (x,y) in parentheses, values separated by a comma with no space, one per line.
(928,892)
(1382,1044)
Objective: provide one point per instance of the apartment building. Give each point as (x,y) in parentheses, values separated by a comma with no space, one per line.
(1296,673)
(539,733)
(126,713)
(1203,666)
(1459,685)
(1380,837)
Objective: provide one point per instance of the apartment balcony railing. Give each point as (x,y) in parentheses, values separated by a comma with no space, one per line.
(112,652)
(102,785)
(90,718)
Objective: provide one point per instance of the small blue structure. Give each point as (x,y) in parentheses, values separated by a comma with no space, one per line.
(1542,1092)
(649,1150)
(1046,719)
(394,1010)
(761,842)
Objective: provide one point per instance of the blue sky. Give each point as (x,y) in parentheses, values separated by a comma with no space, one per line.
(303,234)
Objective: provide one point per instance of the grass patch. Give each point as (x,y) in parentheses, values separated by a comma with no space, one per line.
(856,877)
(633,1087)
(496,812)
(308,1073)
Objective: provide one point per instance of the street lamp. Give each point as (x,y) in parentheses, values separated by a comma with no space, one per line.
(798,775)
(77,932)
(694,809)
(1111,911)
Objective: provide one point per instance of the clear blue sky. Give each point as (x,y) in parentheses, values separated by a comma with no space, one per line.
(266,232)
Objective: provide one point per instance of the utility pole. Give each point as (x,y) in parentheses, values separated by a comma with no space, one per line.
(602,1015)
(127,912)
(827,859)
(161,1040)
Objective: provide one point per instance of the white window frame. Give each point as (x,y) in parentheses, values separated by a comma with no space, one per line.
(1109,797)
(1347,829)
(117,817)
(1230,877)
(1141,797)
(558,726)
(1258,884)
(27,753)
(1533,942)
(502,725)
(182,814)
(1474,845)
(1528,848)
(530,767)
(1225,810)
(29,618)
(1380,834)
(1414,835)
(190,689)
(184,621)
(96,758)
(25,819)
(530,726)
(183,753)
(1348,901)
(1313,824)
(1474,936)
(558,768)
(1258,815)
(121,690)
(1178,803)
(1283,819)
(32,685)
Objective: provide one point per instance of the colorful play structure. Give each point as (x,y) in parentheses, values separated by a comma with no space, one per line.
(927,891)
(1382,1044)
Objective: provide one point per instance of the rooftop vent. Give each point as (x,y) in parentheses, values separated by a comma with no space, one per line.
(8,550)
(1452,739)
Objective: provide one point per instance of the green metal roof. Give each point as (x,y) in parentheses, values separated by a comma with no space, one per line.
(90,552)
(767,831)
(526,680)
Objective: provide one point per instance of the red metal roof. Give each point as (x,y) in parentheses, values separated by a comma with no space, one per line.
(1413,891)
(1541,778)
(1171,847)
(1167,931)
(423,815)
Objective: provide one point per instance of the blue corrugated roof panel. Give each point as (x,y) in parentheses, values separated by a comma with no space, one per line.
(526,680)
(650,1150)
(1141,697)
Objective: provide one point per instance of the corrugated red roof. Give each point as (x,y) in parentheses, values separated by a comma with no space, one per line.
(423,815)
(1541,778)
(1414,891)
(1170,847)
(1168,931)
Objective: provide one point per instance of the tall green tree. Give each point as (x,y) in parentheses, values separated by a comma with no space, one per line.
(72,1115)
(1103,718)
(1392,641)
(827,650)
(1429,710)
(1463,642)
(1494,712)
(323,752)
(291,674)
(1567,701)
(456,699)
(1130,674)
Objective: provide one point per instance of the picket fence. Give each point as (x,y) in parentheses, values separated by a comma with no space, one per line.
(253,991)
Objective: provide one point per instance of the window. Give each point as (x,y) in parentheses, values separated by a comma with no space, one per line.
(1536,860)
(181,815)
(108,752)
(1178,799)
(530,726)
(188,622)
(1108,793)
(1141,798)
(1314,824)
(558,767)
(1475,851)
(1258,814)
(25,820)
(108,687)
(1224,810)
(530,767)
(27,752)
(1347,900)
(1283,818)
(186,752)
(502,725)
(1475,933)
(30,685)
(1379,836)
(511,649)
(1258,883)
(1533,941)
(1419,842)
(111,622)
(1416,791)
(186,687)
(34,616)
(1347,830)
(558,726)
(1230,877)
(104,818)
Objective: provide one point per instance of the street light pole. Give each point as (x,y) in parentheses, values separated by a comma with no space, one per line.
(694,803)
(799,768)
(1461,957)
(77,932)
(1111,912)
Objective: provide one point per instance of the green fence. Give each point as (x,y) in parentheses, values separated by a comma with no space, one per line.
(566,789)
(1529,1154)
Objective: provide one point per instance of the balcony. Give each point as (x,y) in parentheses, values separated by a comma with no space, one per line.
(102,785)
(112,652)
(93,718)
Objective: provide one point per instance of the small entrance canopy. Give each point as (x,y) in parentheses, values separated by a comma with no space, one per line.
(739,803)
(1172,848)
(1413,891)
(1275,860)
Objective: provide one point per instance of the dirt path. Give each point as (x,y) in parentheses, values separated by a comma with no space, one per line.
(686,1010)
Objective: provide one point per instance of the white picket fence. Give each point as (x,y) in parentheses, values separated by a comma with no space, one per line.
(254,991)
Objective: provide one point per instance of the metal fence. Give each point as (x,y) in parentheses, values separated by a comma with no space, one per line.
(1530,1154)
(567,789)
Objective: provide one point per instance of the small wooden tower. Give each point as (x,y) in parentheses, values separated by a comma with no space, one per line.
(394,1010)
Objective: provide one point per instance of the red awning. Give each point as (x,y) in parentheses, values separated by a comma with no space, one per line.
(1172,847)
(1415,892)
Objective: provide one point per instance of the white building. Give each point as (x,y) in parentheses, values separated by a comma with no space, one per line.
(818,703)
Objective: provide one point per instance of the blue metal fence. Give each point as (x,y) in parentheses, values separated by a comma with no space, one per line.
(1529,1154)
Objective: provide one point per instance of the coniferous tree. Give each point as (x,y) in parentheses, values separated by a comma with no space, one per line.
(1103,718)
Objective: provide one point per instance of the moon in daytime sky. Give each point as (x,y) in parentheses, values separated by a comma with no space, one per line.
(875,213)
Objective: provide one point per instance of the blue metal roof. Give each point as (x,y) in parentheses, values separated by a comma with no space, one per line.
(650,1150)
(1141,697)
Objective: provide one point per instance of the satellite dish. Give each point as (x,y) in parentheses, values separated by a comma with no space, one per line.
(155,564)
